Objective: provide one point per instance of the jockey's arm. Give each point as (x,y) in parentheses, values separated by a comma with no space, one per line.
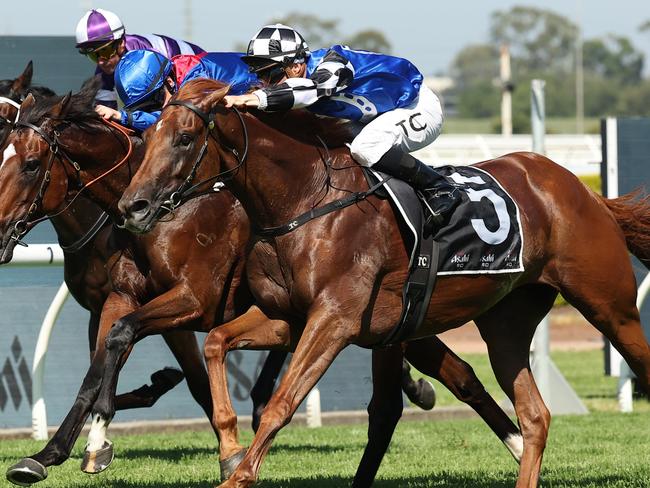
(333,74)
(138,119)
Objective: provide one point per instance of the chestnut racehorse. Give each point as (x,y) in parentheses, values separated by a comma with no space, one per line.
(185,274)
(342,274)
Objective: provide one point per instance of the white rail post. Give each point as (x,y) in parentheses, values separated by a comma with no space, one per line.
(314,418)
(625,375)
(554,388)
(39,413)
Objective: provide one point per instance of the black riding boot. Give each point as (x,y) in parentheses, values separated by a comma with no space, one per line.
(441,195)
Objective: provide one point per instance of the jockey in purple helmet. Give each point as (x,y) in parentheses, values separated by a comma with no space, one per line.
(101,36)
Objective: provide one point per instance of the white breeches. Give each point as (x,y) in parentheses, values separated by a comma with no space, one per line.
(410,128)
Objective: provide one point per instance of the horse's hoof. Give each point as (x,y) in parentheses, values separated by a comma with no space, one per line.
(26,472)
(167,378)
(228,466)
(425,396)
(97,461)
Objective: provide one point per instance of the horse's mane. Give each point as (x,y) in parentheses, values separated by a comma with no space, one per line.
(6,90)
(301,125)
(80,110)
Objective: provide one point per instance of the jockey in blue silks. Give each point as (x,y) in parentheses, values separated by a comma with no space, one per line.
(146,80)
(100,35)
(386,93)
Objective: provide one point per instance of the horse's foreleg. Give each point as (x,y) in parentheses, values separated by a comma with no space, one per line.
(166,312)
(252,330)
(263,388)
(384,411)
(57,450)
(432,357)
(147,395)
(323,339)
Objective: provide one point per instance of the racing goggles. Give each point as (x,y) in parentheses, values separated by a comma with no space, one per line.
(270,72)
(105,51)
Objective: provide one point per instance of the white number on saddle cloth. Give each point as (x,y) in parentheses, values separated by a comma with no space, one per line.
(485,234)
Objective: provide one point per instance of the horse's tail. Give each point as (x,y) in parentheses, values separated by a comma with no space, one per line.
(632,212)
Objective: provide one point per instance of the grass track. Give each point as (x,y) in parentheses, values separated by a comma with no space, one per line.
(598,450)
(604,449)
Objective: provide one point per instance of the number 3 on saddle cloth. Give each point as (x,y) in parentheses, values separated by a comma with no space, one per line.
(483,235)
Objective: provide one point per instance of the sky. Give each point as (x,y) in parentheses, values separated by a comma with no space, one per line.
(429,33)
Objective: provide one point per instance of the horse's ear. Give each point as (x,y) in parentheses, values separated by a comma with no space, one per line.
(27,103)
(216,97)
(61,108)
(21,83)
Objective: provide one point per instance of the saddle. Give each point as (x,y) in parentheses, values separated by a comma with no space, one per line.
(423,263)
(482,235)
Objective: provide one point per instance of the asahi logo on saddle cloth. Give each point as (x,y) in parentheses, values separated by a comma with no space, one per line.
(15,378)
(484,233)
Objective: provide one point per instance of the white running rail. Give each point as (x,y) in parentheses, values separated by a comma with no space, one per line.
(42,255)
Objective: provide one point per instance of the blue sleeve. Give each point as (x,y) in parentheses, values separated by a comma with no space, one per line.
(138,119)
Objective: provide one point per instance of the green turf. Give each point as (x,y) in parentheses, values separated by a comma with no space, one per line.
(604,449)
(598,450)
(584,370)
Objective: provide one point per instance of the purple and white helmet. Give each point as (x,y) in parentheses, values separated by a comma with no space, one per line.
(98,25)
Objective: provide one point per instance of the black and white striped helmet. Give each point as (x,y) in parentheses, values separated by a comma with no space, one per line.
(275,44)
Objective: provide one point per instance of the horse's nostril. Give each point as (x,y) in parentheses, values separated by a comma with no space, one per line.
(139,207)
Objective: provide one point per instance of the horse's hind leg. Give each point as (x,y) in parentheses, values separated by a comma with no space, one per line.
(432,357)
(612,309)
(420,392)
(263,387)
(183,345)
(508,329)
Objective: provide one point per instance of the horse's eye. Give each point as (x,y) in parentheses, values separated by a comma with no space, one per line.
(186,139)
(32,165)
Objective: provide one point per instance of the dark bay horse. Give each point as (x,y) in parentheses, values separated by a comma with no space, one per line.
(86,249)
(342,273)
(184,274)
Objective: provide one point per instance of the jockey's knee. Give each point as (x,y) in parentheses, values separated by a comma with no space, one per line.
(360,156)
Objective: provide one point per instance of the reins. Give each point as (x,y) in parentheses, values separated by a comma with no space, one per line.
(57,153)
(177,197)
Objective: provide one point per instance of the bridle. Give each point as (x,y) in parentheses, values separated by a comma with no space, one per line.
(22,225)
(186,188)
(14,104)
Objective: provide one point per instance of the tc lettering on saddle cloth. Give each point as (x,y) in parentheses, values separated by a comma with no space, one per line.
(484,233)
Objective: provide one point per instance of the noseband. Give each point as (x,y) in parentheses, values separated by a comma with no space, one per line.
(186,188)
(57,153)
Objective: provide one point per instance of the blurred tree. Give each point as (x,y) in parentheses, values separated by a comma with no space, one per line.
(613,57)
(321,33)
(475,63)
(480,99)
(635,100)
(317,32)
(369,40)
(539,39)
(645,27)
